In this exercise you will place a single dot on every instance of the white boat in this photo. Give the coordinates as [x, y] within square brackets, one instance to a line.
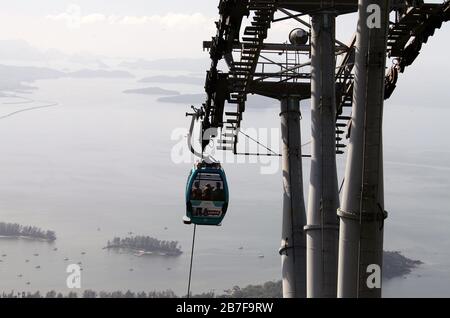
[139, 253]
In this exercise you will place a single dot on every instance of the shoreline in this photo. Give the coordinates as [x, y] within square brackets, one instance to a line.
[402, 265]
[28, 238]
[141, 252]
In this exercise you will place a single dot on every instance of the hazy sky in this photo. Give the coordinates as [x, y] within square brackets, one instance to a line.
[118, 28]
[111, 27]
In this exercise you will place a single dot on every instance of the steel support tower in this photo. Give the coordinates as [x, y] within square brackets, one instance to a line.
[293, 251]
[322, 229]
[362, 212]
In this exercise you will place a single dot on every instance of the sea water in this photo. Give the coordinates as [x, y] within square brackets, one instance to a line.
[100, 165]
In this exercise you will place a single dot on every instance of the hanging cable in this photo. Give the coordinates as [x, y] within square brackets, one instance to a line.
[271, 152]
[192, 258]
[260, 144]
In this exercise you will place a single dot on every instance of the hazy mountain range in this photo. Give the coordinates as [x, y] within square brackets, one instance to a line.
[151, 91]
[181, 79]
[189, 65]
[16, 78]
[22, 51]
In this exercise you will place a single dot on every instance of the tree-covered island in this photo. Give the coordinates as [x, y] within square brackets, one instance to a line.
[14, 230]
[146, 245]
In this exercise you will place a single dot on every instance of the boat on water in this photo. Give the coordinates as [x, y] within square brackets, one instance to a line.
[36, 254]
[261, 256]
[66, 258]
[37, 267]
[139, 253]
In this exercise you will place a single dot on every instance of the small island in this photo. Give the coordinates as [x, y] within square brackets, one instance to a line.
[145, 245]
[397, 265]
[14, 230]
[152, 91]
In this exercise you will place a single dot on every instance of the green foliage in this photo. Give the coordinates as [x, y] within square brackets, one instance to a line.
[14, 229]
[267, 290]
[146, 244]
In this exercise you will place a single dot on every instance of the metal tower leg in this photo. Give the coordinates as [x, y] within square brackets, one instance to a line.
[323, 226]
[293, 244]
[362, 212]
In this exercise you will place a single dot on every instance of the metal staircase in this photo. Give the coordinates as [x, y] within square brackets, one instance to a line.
[241, 72]
[410, 31]
[344, 96]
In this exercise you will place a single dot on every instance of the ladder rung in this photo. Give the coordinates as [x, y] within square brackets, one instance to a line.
[227, 135]
[224, 148]
[248, 39]
[242, 63]
[225, 142]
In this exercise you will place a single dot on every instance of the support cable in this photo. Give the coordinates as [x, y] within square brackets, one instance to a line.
[271, 154]
[192, 258]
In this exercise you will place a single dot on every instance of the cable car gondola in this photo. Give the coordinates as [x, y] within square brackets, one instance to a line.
[206, 195]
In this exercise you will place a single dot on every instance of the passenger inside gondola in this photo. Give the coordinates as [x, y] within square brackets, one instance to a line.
[218, 193]
[196, 193]
[207, 193]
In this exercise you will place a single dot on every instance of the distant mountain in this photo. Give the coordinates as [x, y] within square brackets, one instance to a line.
[19, 50]
[99, 74]
[184, 99]
[173, 79]
[190, 65]
[28, 73]
[151, 91]
[14, 78]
